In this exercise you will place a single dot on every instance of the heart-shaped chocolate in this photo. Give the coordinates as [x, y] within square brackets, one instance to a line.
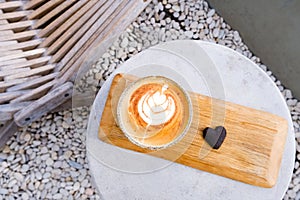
[214, 137]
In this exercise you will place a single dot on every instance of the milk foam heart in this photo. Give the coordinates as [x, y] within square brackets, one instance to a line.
[155, 108]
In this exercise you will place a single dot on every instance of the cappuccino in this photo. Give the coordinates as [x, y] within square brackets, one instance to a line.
[154, 112]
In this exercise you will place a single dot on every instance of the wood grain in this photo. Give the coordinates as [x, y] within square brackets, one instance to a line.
[105, 35]
[33, 63]
[35, 93]
[33, 3]
[44, 9]
[12, 62]
[49, 29]
[52, 13]
[6, 131]
[26, 54]
[251, 152]
[13, 107]
[84, 29]
[37, 36]
[10, 83]
[27, 45]
[39, 70]
[10, 5]
[34, 83]
[14, 16]
[21, 36]
[16, 26]
[7, 96]
[66, 29]
[42, 106]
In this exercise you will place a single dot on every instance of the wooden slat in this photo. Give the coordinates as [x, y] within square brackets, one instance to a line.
[21, 36]
[5, 33]
[13, 71]
[34, 63]
[5, 117]
[44, 9]
[6, 84]
[91, 17]
[3, 21]
[35, 71]
[17, 26]
[11, 4]
[4, 44]
[6, 131]
[64, 28]
[35, 93]
[91, 31]
[11, 62]
[13, 107]
[33, 3]
[61, 19]
[14, 16]
[108, 32]
[69, 59]
[52, 13]
[27, 45]
[33, 83]
[8, 52]
[26, 54]
[43, 105]
[7, 96]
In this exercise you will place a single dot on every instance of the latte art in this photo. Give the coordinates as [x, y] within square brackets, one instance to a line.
[155, 108]
[154, 112]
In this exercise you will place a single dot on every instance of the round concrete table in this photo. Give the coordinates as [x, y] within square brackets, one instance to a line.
[205, 68]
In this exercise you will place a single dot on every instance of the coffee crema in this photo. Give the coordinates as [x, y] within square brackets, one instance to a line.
[154, 112]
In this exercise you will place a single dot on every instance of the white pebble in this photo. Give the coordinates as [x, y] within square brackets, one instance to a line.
[216, 32]
[209, 20]
[124, 42]
[19, 177]
[76, 186]
[211, 13]
[25, 196]
[3, 191]
[57, 196]
[189, 34]
[25, 168]
[49, 162]
[176, 8]
[288, 94]
[44, 150]
[194, 25]
[292, 194]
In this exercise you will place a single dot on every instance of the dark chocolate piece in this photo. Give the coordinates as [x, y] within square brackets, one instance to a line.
[214, 137]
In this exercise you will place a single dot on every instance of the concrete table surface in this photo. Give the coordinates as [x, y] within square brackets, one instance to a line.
[201, 67]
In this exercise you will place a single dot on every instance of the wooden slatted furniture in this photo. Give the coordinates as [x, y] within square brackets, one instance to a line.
[42, 46]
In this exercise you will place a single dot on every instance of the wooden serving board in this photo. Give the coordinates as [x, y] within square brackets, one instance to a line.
[252, 150]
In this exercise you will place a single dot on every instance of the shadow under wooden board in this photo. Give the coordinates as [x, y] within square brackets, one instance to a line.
[43, 45]
[251, 153]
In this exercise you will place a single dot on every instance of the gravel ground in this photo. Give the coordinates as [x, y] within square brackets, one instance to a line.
[46, 160]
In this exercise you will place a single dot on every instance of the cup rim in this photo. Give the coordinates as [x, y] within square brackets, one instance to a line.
[178, 138]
